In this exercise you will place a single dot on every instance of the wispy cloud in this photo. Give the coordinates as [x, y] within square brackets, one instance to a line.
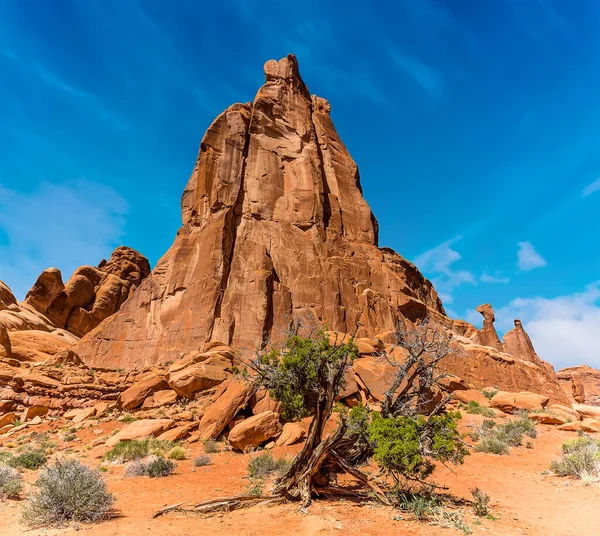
[62, 225]
[591, 188]
[437, 262]
[528, 258]
[564, 330]
[430, 79]
[487, 278]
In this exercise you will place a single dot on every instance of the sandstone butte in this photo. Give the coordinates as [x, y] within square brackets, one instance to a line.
[275, 230]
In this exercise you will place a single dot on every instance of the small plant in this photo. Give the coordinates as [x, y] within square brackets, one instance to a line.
[128, 418]
[202, 460]
[475, 408]
[423, 507]
[498, 438]
[265, 464]
[493, 445]
[211, 446]
[29, 460]
[176, 453]
[580, 458]
[11, 482]
[125, 451]
[68, 491]
[481, 501]
[489, 392]
[136, 468]
[255, 487]
[159, 467]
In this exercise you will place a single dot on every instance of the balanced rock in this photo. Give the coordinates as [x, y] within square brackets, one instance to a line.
[488, 335]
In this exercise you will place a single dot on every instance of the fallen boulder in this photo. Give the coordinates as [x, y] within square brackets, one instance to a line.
[141, 429]
[255, 430]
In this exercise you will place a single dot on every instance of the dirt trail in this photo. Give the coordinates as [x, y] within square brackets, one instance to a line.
[524, 500]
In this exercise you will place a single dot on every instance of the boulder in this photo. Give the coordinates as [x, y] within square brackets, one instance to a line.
[160, 398]
[6, 419]
[263, 402]
[582, 383]
[511, 402]
[48, 286]
[7, 298]
[141, 429]
[33, 412]
[196, 378]
[546, 418]
[84, 414]
[234, 398]
[254, 430]
[135, 395]
[590, 425]
[376, 373]
[291, 433]
[471, 395]
[587, 410]
[564, 411]
[178, 432]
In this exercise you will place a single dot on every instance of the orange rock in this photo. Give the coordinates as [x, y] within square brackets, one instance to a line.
[510, 402]
[179, 432]
[32, 412]
[196, 378]
[235, 397]
[488, 335]
[291, 433]
[135, 395]
[518, 344]
[141, 429]
[587, 410]
[255, 430]
[6, 419]
[376, 373]
[590, 425]
[471, 395]
[265, 403]
[546, 418]
[160, 398]
[83, 414]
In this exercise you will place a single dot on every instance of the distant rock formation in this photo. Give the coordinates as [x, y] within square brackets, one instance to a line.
[53, 315]
[488, 335]
[518, 343]
[582, 383]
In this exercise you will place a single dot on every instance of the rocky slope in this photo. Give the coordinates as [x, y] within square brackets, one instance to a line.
[54, 316]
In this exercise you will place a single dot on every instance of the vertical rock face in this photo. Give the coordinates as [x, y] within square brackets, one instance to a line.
[488, 335]
[581, 383]
[518, 343]
[275, 229]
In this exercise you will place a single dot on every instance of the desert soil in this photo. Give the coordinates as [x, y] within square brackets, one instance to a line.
[526, 500]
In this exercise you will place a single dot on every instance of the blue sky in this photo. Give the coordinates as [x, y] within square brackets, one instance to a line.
[475, 125]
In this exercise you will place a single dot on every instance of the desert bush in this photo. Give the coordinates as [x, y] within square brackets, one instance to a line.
[211, 446]
[128, 418]
[399, 443]
[11, 482]
[136, 468]
[489, 392]
[481, 501]
[68, 491]
[496, 439]
[265, 464]
[423, 507]
[159, 467]
[580, 458]
[31, 460]
[475, 408]
[492, 444]
[176, 453]
[125, 451]
[202, 460]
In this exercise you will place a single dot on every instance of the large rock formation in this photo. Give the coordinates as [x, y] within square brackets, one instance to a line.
[518, 343]
[53, 315]
[275, 229]
[581, 383]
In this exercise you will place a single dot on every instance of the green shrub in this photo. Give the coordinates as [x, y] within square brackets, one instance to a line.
[211, 446]
[202, 460]
[136, 468]
[176, 453]
[125, 451]
[265, 464]
[492, 444]
[489, 392]
[11, 482]
[580, 458]
[159, 467]
[29, 460]
[128, 418]
[481, 501]
[496, 439]
[475, 408]
[68, 491]
[399, 443]
[423, 507]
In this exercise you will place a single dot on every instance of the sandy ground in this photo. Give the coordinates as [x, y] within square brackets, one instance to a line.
[525, 500]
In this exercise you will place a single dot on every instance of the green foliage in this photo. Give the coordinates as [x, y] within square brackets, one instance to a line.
[407, 447]
[475, 408]
[11, 482]
[265, 464]
[291, 376]
[481, 502]
[176, 453]
[496, 439]
[358, 424]
[31, 460]
[423, 507]
[580, 458]
[135, 449]
[68, 491]
[159, 467]
[211, 446]
[128, 418]
[489, 392]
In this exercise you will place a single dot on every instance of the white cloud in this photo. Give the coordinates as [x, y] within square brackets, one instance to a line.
[591, 188]
[565, 330]
[528, 258]
[61, 225]
[487, 278]
[438, 261]
[427, 77]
